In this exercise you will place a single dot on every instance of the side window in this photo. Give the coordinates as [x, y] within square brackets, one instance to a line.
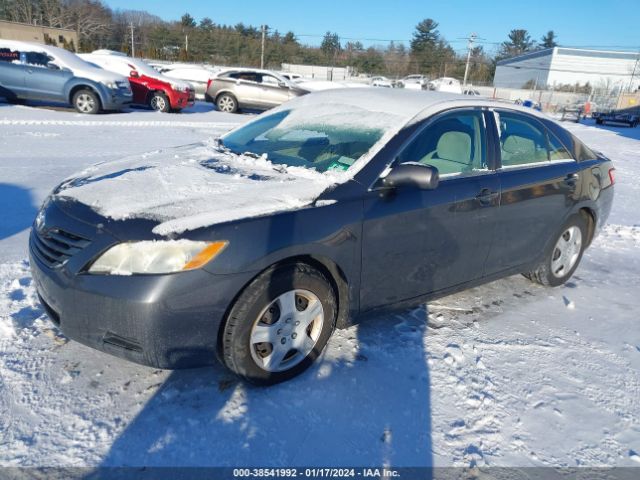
[521, 141]
[455, 144]
[34, 59]
[246, 76]
[269, 80]
[556, 149]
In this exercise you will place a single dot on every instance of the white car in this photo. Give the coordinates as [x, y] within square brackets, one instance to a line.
[445, 84]
[415, 82]
[294, 77]
[381, 82]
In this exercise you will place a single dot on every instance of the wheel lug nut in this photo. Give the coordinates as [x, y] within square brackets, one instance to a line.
[294, 335]
[279, 332]
[283, 340]
[297, 323]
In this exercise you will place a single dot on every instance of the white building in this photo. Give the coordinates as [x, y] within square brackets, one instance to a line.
[319, 72]
[614, 71]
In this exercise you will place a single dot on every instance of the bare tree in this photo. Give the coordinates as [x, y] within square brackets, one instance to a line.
[89, 18]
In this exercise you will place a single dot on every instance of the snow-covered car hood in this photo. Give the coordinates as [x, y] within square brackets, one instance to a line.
[194, 186]
[99, 75]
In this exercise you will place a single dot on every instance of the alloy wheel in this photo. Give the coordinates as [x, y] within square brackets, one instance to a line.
[85, 103]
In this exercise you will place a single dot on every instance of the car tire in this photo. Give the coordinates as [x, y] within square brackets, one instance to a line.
[279, 324]
[227, 103]
[159, 102]
[86, 101]
[565, 254]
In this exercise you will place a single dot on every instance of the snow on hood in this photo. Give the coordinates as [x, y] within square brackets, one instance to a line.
[194, 186]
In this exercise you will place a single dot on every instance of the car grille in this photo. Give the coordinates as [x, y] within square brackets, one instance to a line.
[55, 246]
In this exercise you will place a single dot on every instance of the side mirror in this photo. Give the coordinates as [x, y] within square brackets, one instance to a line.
[283, 84]
[134, 74]
[52, 66]
[424, 177]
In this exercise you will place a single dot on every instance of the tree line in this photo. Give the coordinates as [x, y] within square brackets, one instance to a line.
[98, 26]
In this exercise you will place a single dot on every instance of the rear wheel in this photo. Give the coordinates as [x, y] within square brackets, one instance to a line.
[159, 102]
[563, 259]
[227, 103]
[279, 324]
[86, 101]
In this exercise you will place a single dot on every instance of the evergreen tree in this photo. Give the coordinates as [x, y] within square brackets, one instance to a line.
[549, 40]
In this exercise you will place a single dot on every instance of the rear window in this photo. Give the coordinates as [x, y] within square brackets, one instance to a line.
[578, 150]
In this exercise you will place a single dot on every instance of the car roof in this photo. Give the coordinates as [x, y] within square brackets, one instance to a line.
[411, 105]
[40, 46]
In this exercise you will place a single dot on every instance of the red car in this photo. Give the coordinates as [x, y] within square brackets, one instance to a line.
[149, 87]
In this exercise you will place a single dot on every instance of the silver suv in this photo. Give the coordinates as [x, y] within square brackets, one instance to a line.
[30, 71]
[235, 89]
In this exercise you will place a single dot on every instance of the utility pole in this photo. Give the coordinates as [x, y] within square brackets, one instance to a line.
[133, 44]
[471, 39]
[264, 34]
[633, 74]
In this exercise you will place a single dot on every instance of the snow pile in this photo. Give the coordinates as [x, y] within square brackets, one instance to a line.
[192, 187]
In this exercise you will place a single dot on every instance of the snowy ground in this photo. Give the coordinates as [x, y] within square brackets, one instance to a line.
[508, 374]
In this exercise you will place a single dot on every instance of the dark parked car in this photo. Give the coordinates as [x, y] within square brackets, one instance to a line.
[307, 219]
[629, 119]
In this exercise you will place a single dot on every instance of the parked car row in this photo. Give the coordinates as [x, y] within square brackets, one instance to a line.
[99, 81]
[30, 71]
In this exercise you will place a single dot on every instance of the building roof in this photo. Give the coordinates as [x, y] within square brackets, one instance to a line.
[577, 52]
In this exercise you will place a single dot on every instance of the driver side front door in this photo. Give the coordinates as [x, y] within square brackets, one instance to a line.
[417, 242]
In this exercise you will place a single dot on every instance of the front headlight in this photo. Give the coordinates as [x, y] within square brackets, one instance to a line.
[111, 85]
[179, 88]
[156, 257]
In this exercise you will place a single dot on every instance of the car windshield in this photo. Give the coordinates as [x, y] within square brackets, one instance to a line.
[142, 67]
[325, 138]
[64, 58]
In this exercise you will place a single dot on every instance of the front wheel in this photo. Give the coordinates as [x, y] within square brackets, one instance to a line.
[86, 101]
[159, 102]
[279, 324]
[563, 259]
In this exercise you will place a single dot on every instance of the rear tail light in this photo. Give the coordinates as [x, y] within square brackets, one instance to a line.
[612, 175]
[209, 83]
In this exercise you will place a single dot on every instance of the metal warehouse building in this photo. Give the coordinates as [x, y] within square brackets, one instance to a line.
[567, 66]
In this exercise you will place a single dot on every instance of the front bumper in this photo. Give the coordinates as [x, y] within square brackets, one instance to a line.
[116, 99]
[164, 321]
[180, 100]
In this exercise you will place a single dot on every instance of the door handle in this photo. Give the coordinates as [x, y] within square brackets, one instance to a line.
[571, 179]
[486, 196]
